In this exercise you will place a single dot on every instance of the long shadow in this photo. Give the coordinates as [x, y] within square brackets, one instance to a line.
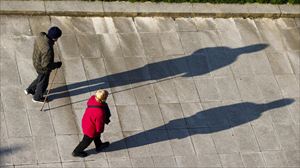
[204, 122]
[200, 62]
[9, 150]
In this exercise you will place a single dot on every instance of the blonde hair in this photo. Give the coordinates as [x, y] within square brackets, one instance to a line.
[101, 95]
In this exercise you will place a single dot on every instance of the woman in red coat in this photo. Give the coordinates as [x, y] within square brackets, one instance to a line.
[95, 116]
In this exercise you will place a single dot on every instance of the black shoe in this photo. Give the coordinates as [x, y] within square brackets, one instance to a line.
[41, 100]
[27, 92]
[102, 146]
[81, 154]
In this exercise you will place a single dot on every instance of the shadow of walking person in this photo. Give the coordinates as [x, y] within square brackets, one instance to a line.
[204, 122]
[200, 62]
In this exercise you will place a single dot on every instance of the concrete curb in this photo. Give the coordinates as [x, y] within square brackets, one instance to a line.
[100, 8]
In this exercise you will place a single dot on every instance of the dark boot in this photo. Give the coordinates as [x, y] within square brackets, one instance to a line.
[102, 146]
[80, 154]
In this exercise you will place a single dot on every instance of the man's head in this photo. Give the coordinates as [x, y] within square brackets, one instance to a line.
[54, 33]
[101, 95]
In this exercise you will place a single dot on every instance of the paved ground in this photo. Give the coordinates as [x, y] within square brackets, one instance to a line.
[189, 92]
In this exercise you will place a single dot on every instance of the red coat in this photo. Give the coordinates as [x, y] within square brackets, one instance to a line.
[93, 119]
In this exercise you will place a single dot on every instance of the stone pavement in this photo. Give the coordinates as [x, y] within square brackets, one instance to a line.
[184, 92]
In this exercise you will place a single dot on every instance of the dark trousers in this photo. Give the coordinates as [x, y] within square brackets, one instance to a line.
[85, 142]
[39, 85]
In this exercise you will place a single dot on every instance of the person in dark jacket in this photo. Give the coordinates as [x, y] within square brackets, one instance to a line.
[95, 117]
[43, 62]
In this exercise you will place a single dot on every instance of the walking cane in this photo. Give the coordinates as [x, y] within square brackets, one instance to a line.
[49, 89]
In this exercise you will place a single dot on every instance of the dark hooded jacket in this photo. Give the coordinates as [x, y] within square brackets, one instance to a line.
[43, 54]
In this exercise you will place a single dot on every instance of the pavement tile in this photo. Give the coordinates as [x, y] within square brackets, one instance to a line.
[165, 24]
[227, 88]
[180, 67]
[16, 26]
[146, 24]
[50, 165]
[193, 116]
[123, 94]
[110, 45]
[7, 150]
[281, 115]
[151, 116]
[185, 24]
[268, 86]
[265, 132]
[63, 121]
[159, 68]
[91, 50]
[130, 122]
[269, 34]
[245, 138]
[275, 158]
[39, 24]
[103, 25]
[73, 164]
[191, 42]
[248, 88]
[280, 63]
[287, 137]
[181, 142]
[46, 149]
[27, 166]
[294, 57]
[95, 70]
[24, 152]
[120, 162]
[136, 145]
[241, 66]
[231, 160]
[207, 89]
[171, 44]
[187, 161]
[253, 160]
[138, 69]
[9, 76]
[16, 115]
[295, 111]
[40, 123]
[66, 145]
[3, 127]
[72, 65]
[158, 143]
[83, 25]
[172, 115]
[142, 162]
[260, 63]
[202, 141]
[116, 73]
[289, 85]
[205, 23]
[186, 90]
[69, 47]
[152, 44]
[131, 45]
[247, 30]
[216, 115]
[164, 161]
[293, 158]
[291, 38]
[117, 148]
[209, 160]
[124, 25]
[144, 93]
[225, 142]
[99, 163]
[165, 92]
